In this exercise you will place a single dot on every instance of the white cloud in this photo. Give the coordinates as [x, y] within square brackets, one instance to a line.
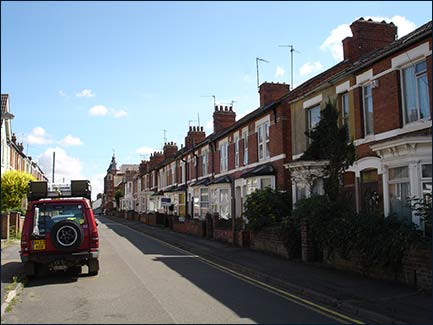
[85, 93]
[98, 110]
[70, 140]
[333, 42]
[119, 114]
[38, 136]
[101, 110]
[310, 68]
[97, 182]
[66, 168]
[404, 26]
[279, 72]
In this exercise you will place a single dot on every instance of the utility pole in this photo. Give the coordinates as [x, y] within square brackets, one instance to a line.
[54, 163]
[257, 66]
[291, 62]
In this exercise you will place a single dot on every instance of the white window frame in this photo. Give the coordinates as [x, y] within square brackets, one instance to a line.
[310, 125]
[204, 158]
[245, 137]
[263, 141]
[399, 181]
[417, 92]
[236, 141]
[367, 99]
[223, 147]
[345, 110]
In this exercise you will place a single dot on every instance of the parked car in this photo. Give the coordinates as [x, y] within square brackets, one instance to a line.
[60, 231]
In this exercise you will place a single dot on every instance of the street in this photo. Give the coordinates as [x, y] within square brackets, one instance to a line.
[143, 280]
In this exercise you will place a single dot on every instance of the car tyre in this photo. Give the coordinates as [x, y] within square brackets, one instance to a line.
[66, 235]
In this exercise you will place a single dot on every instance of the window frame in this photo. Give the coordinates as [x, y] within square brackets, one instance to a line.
[404, 95]
[368, 98]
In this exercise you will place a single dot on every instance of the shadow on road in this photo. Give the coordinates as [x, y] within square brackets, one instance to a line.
[245, 300]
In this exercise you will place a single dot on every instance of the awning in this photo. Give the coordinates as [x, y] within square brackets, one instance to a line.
[159, 193]
[202, 182]
[220, 180]
[262, 170]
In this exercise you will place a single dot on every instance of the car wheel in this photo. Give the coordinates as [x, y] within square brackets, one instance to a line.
[66, 235]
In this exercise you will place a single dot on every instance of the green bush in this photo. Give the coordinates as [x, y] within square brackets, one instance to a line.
[336, 228]
[266, 207]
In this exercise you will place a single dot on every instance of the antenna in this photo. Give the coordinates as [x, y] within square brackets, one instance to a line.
[291, 62]
[257, 66]
[165, 135]
[214, 100]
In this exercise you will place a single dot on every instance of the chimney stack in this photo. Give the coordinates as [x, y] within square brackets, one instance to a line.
[194, 137]
[368, 35]
[270, 92]
[170, 150]
[223, 117]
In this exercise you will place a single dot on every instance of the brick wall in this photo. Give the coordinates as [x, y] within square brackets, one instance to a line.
[415, 270]
[268, 240]
[223, 235]
[190, 226]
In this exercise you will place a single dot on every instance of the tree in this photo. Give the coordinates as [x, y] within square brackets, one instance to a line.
[117, 195]
[266, 207]
[14, 187]
[330, 142]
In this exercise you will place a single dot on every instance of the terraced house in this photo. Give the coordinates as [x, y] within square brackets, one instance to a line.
[382, 89]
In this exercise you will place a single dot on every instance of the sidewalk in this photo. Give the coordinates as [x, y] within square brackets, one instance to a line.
[374, 301]
[11, 266]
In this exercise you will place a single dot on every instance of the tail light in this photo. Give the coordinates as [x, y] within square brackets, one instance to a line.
[25, 244]
[94, 240]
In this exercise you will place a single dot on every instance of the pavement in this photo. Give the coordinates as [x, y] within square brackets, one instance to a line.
[373, 301]
[11, 267]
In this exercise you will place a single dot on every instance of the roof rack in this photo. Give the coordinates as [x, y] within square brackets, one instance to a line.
[41, 190]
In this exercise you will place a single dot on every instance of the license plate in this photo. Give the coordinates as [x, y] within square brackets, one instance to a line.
[39, 244]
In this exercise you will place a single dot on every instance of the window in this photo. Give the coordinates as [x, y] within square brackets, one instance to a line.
[263, 140]
[399, 192]
[204, 159]
[345, 111]
[223, 157]
[258, 183]
[221, 202]
[426, 181]
[313, 119]
[245, 137]
[236, 152]
[183, 170]
[196, 202]
[368, 109]
[204, 201]
[415, 93]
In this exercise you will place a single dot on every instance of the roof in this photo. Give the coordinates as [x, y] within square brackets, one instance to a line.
[221, 180]
[420, 32]
[262, 170]
[202, 182]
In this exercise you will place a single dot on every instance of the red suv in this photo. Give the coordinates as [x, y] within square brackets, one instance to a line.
[60, 231]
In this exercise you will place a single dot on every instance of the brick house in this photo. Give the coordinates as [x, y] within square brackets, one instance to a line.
[215, 173]
[382, 90]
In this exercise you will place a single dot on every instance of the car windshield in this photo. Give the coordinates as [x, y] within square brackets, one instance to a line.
[50, 214]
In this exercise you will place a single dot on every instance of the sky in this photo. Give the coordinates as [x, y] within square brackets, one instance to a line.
[89, 79]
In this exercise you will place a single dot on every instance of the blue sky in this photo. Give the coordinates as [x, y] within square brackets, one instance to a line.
[87, 78]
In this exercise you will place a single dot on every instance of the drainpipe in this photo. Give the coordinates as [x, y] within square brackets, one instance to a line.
[186, 185]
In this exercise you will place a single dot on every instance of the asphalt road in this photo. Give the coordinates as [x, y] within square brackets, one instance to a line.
[143, 280]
